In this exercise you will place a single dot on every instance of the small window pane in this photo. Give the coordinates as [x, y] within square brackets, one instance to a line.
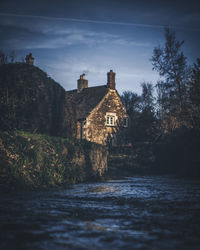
[126, 122]
[108, 120]
[111, 120]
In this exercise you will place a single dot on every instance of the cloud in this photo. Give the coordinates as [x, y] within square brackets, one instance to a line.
[44, 35]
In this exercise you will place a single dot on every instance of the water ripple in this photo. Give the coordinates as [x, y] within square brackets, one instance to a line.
[135, 213]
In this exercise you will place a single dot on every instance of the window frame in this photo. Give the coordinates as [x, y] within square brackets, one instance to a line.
[111, 119]
[125, 122]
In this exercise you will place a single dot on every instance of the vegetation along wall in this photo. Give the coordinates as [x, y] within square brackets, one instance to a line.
[36, 161]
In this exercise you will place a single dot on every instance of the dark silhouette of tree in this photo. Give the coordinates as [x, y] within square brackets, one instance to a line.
[194, 91]
[147, 98]
[7, 58]
[3, 58]
[141, 113]
[170, 62]
[12, 56]
[147, 121]
[131, 101]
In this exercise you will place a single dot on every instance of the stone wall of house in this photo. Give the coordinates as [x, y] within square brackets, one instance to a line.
[96, 127]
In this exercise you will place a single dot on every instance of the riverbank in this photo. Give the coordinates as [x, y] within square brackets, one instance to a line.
[36, 161]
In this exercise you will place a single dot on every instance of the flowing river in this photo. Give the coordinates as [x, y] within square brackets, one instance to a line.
[134, 213]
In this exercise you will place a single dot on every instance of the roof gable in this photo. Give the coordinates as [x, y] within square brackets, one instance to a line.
[86, 100]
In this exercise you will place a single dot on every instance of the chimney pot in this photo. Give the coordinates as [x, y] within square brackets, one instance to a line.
[29, 59]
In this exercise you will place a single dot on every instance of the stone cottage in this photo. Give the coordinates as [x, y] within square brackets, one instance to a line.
[99, 114]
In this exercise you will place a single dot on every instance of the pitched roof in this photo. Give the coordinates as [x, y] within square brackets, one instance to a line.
[86, 100]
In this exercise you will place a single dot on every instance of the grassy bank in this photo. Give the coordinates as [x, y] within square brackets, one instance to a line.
[41, 161]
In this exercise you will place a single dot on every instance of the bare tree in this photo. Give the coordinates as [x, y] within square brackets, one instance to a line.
[147, 98]
[3, 58]
[12, 56]
[131, 101]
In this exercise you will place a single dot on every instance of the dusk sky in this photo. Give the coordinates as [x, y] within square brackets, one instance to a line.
[69, 37]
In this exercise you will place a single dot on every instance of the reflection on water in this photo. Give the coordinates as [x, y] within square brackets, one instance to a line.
[103, 188]
[135, 213]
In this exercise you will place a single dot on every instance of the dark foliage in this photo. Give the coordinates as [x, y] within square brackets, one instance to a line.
[141, 111]
[30, 100]
[194, 92]
[170, 125]
[178, 153]
[171, 65]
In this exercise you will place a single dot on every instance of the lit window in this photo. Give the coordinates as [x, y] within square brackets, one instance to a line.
[110, 120]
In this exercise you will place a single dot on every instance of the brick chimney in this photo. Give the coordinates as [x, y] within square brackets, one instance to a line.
[29, 59]
[82, 83]
[111, 79]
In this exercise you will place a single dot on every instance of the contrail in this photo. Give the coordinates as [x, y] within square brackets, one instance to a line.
[65, 19]
[86, 21]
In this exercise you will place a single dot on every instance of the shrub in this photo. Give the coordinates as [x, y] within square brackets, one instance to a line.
[178, 153]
